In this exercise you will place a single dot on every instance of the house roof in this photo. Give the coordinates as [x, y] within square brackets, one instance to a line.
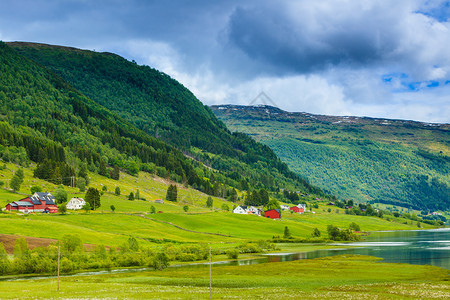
[21, 203]
[39, 197]
[77, 200]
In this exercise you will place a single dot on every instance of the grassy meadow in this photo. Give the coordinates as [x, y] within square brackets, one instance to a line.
[198, 225]
[339, 277]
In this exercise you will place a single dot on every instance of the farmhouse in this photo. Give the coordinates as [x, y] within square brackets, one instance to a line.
[298, 209]
[241, 209]
[284, 207]
[38, 202]
[159, 201]
[272, 214]
[75, 203]
[251, 210]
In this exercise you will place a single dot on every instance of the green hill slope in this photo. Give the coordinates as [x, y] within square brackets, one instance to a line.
[64, 130]
[162, 107]
[389, 161]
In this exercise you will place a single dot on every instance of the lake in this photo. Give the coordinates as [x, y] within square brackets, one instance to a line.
[421, 247]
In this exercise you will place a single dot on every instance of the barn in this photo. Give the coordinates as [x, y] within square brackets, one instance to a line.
[272, 214]
[38, 202]
[22, 206]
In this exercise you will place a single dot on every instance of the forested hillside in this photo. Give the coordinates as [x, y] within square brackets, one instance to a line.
[56, 125]
[160, 106]
[376, 160]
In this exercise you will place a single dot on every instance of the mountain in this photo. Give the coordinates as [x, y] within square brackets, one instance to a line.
[106, 111]
[58, 126]
[397, 162]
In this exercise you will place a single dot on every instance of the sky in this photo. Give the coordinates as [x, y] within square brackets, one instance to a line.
[386, 59]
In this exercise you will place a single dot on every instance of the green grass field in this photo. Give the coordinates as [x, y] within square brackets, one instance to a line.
[133, 218]
[342, 277]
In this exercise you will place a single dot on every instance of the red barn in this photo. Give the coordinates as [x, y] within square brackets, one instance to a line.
[39, 202]
[22, 206]
[272, 214]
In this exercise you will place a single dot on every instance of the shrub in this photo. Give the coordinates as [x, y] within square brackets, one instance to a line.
[66, 265]
[35, 189]
[232, 253]
[355, 227]
[316, 232]
[160, 261]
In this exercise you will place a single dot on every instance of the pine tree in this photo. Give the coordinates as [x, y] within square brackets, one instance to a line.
[209, 202]
[102, 168]
[171, 194]
[93, 198]
[17, 180]
[115, 174]
[287, 233]
[117, 191]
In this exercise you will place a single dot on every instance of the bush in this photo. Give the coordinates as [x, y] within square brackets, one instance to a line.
[316, 232]
[232, 253]
[66, 265]
[355, 227]
[160, 261]
[209, 202]
[35, 189]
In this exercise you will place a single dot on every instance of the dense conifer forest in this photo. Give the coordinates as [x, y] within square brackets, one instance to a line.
[395, 162]
[70, 110]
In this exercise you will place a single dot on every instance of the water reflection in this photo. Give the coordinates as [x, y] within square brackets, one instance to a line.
[426, 247]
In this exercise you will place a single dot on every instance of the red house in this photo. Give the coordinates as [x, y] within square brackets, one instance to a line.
[38, 202]
[297, 209]
[272, 214]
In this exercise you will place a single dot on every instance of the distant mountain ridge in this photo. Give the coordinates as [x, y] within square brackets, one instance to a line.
[368, 159]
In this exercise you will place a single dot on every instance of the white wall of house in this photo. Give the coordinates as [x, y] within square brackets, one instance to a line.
[75, 203]
[240, 210]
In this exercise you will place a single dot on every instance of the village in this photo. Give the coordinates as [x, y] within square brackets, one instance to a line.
[271, 213]
[44, 202]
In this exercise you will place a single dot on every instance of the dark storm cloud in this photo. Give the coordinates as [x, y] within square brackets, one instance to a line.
[269, 35]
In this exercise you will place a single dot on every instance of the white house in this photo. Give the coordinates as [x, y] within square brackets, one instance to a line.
[301, 205]
[253, 210]
[75, 203]
[241, 209]
[284, 207]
